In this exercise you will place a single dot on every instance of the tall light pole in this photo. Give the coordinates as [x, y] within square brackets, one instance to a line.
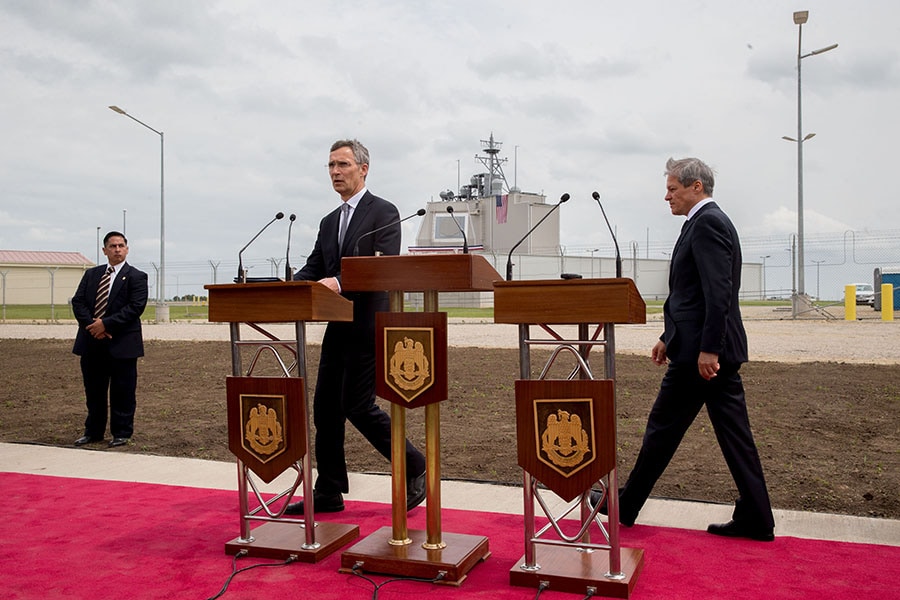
[592, 250]
[162, 309]
[800, 17]
[818, 262]
[764, 273]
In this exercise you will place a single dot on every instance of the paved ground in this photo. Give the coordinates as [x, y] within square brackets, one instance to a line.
[772, 334]
[120, 466]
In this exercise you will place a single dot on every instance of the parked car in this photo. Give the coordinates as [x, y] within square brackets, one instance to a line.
[865, 293]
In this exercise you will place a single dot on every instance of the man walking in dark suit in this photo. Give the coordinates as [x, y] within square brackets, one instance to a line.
[704, 345]
[108, 306]
[345, 387]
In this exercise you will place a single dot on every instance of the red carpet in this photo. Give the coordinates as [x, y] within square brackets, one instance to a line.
[79, 538]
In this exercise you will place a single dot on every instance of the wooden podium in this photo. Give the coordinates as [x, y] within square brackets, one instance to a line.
[278, 409]
[566, 431]
[397, 550]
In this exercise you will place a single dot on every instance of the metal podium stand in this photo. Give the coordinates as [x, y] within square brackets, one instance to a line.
[268, 425]
[566, 430]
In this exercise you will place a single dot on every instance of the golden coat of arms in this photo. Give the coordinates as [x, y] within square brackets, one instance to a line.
[409, 366]
[263, 431]
[564, 441]
[408, 360]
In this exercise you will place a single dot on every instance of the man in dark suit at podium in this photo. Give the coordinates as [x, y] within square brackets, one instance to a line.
[108, 305]
[704, 345]
[345, 388]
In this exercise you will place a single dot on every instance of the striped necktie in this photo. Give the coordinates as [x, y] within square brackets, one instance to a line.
[103, 294]
[345, 220]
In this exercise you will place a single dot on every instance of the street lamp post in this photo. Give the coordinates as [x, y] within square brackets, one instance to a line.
[764, 274]
[162, 309]
[592, 250]
[800, 17]
[818, 262]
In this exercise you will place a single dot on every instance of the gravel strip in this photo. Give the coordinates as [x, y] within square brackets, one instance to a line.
[773, 336]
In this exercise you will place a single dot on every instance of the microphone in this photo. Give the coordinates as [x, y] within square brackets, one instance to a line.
[612, 234]
[242, 277]
[418, 213]
[509, 265]
[287, 256]
[465, 243]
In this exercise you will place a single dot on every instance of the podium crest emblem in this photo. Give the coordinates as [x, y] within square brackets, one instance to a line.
[564, 434]
[409, 359]
[564, 441]
[409, 366]
[263, 426]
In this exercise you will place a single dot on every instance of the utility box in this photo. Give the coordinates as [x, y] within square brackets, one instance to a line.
[891, 276]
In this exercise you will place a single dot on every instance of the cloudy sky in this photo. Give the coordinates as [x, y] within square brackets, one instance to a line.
[585, 95]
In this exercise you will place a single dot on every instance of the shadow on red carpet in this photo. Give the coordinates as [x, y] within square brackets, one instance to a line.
[81, 538]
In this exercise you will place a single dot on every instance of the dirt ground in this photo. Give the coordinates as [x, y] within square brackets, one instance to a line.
[828, 433]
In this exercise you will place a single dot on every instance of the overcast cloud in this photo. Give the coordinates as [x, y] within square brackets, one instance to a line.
[585, 95]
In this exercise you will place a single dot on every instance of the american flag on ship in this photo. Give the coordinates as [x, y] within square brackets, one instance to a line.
[502, 204]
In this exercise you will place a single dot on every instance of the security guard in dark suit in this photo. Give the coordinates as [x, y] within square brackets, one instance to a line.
[108, 306]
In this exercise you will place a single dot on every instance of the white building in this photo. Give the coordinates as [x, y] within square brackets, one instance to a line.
[38, 277]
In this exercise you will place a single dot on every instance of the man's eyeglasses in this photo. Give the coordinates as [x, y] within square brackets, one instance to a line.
[340, 165]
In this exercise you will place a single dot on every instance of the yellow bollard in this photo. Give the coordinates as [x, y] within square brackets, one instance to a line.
[849, 302]
[887, 302]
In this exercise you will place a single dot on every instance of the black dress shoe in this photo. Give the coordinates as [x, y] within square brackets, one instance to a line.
[415, 491]
[595, 498]
[86, 439]
[742, 530]
[115, 442]
[322, 503]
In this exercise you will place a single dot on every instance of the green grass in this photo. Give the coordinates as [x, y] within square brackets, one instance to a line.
[63, 312]
[199, 312]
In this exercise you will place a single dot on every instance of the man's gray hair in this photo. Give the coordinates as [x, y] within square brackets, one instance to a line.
[689, 170]
[360, 152]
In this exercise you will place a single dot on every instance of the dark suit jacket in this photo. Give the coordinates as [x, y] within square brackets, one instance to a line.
[371, 213]
[702, 313]
[127, 300]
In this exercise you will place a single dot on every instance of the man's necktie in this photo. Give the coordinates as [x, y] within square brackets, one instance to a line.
[345, 219]
[103, 294]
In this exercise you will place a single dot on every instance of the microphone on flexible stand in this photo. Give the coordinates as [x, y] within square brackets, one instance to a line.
[612, 234]
[287, 256]
[418, 213]
[509, 265]
[242, 276]
[465, 243]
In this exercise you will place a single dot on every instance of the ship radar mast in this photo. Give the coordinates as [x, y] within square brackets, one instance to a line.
[495, 181]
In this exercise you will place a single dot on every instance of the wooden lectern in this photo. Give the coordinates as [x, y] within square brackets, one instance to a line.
[397, 550]
[253, 304]
[566, 430]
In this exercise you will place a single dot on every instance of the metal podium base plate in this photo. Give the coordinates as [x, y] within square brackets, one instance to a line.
[461, 554]
[574, 571]
[281, 540]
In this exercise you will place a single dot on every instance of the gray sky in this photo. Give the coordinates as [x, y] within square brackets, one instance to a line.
[595, 95]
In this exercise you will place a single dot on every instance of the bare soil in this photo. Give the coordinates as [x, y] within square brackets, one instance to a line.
[828, 433]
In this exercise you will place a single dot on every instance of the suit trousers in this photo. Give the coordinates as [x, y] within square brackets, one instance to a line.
[115, 378]
[345, 391]
[681, 396]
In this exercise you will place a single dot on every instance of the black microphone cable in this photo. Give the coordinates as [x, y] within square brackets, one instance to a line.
[235, 570]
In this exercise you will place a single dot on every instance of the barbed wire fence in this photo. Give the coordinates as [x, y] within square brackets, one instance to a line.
[834, 260]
